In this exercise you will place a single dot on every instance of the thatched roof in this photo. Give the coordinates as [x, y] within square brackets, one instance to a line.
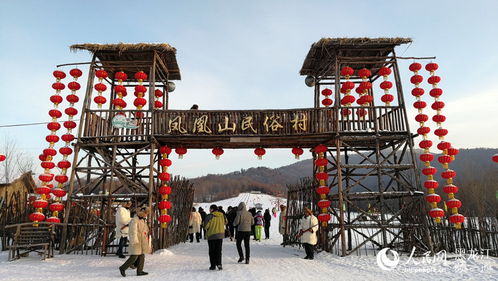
[121, 57]
[327, 49]
[24, 183]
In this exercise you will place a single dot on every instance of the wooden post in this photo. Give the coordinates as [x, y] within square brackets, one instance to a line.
[340, 195]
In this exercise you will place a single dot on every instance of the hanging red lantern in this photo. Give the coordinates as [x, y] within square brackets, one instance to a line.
[158, 104]
[416, 79]
[457, 219]
[429, 171]
[49, 151]
[448, 174]
[384, 71]
[297, 151]
[165, 162]
[324, 217]
[52, 138]
[450, 188]
[436, 213]
[323, 204]
[320, 148]
[427, 157]
[53, 220]
[164, 176]
[74, 86]
[56, 99]
[326, 92]
[443, 145]
[423, 130]
[347, 71]
[322, 176]
[434, 80]
[323, 190]
[433, 198]
[364, 73]
[59, 74]
[347, 100]
[415, 67]
[101, 74]
[120, 75]
[56, 207]
[181, 151]
[47, 165]
[65, 150]
[454, 203]
[165, 150]
[425, 144]
[72, 98]
[438, 118]
[120, 89]
[61, 179]
[217, 151]
[321, 162]
[164, 219]
[55, 113]
[46, 177]
[53, 126]
[75, 73]
[327, 102]
[36, 217]
[420, 104]
[431, 184]
[58, 192]
[67, 137]
[158, 93]
[417, 92]
[141, 76]
[100, 100]
[165, 205]
[260, 152]
[40, 204]
[42, 190]
[64, 164]
[431, 66]
[495, 158]
[165, 190]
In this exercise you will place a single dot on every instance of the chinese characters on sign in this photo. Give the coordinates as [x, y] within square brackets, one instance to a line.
[257, 123]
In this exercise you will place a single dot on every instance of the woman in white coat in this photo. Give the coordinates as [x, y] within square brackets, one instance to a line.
[194, 226]
[122, 220]
[139, 242]
[309, 227]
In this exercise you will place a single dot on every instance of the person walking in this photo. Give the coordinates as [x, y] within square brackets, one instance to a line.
[267, 217]
[194, 226]
[309, 227]
[243, 221]
[203, 217]
[139, 242]
[232, 213]
[259, 222]
[215, 230]
[253, 214]
[123, 218]
[282, 225]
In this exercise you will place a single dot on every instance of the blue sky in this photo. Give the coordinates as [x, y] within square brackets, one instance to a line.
[246, 55]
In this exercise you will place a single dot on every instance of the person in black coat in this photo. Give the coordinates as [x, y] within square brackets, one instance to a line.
[253, 227]
[267, 217]
[203, 217]
[232, 213]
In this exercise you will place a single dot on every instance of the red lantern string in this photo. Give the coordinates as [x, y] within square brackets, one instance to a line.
[427, 157]
[327, 101]
[120, 90]
[386, 85]
[140, 91]
[100, 87]
[448, 153]
[346, 88]
[165, 189]
[363, 90]
[158, 94]
[181, 151]
[322, 189]
[48, 154]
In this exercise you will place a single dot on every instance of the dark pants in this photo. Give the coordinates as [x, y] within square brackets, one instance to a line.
[138, 260]
[267, 231]
[197, 237]
[246, 237]
[215, 247]
[286, 239]
[122, 243]
[308, 248]
[231, 228]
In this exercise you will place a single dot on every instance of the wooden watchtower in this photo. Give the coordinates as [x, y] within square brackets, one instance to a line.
[375, 184]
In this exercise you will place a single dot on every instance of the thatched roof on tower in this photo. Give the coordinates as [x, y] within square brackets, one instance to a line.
[131, 58]
[323, 52]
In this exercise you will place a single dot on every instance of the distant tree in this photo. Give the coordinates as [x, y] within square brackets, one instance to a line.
[17, 162]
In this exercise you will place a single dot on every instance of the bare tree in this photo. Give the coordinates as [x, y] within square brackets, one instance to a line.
[16, 163]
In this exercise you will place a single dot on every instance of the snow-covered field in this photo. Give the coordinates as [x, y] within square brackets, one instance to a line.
[269, 261]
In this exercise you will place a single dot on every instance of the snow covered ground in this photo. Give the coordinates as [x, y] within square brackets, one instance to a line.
[269, 261]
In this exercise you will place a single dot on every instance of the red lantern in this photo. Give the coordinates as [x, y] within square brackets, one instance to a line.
[47, 165]
[49, 151]
[64, 164]
[457, 218]
[431, 66]
[327, 102]
[364, 73]
[74, 86]
[165, 205]
[260, 152]
[386, 85]
[438, 118]
[321, 162]
[46, 177]
[40, 204]
[57, 192]
[428, 171]
[217, 151]
[454, 203]
[61, 179]
[67, 137]
[444, 159]
[141, 76]
[71, 111]
[120, 75]
[347, 86]
[437, 105]
[165, 190]
[56, 207]
[347, 71]
[322, 176]
[320, 148]
[36, 217]
[140, 89]
[417, 92]
[140, 102]
[164, 176]
[165, 162]
[362, 112]
[436, 213]
[416, 79]
[448, 174]
[101, 74]
[158, 93]
[43, 190]
[415, 67]
[164, 218]
[436, 92]
[423, 130]
[55, 113]
[425, 144]
[443, 145]
[434, 80]
[72, 98]
[419, 104]
[450, 188]
[53, 220]
[52, 138]
[56, 99]
[165, 150]
[323, 204]
[181, 151]
[65, 150]
[120, 103]
[347, 100]
[100, 87]
[59, 74]
[323, 190]
[384, 71]
[120, 89]
[440, 132]
[431, 184]
[158, 104]
[326, 92]
[69, 125]
[100, 100]
[494, 158]
[427, 157]
[387, 98]
[76, 73]
[433, 198]
[324, 217]
[297, 151]
[53, 126]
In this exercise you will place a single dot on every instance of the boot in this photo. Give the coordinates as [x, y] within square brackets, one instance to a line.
[241, 259]
[142, 273]
[122, 271]
[247, 260]
[220, 267]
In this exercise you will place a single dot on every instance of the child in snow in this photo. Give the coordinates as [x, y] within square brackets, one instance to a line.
[259, 222]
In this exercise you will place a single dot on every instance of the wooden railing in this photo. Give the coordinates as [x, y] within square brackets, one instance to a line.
[240, 123]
